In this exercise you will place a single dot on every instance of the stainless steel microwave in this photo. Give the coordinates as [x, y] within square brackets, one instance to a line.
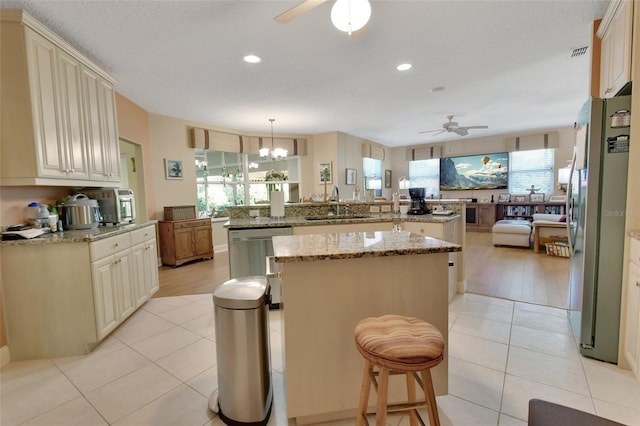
[116, 205]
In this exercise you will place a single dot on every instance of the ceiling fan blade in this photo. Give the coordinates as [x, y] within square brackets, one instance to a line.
[431, 131]
[473, 127]
[297, 10]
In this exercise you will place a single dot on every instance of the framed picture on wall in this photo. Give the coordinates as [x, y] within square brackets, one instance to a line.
[324, 172]
[173, 169]
[387, 178]
[350, 176]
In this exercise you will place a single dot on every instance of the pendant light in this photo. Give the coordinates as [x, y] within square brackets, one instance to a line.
[276, 153]
[350, 15]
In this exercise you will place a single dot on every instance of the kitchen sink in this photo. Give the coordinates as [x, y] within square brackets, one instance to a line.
[334, 217]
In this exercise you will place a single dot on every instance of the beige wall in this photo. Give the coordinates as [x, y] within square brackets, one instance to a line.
[133, 126]
[488, 144]
[171, 140]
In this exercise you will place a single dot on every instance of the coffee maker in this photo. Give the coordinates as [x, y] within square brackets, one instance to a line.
[418, 204]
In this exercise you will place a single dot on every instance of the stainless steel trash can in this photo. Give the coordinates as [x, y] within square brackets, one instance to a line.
[244, 394]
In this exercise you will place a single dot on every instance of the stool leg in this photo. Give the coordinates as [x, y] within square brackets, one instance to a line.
[430, 397]
[411, 393]
[383, 385]
[361, 420]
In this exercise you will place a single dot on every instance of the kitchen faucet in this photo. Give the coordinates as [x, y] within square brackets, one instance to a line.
[335, 195]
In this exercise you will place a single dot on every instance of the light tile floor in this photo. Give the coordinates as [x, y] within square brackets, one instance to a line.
[160, 367]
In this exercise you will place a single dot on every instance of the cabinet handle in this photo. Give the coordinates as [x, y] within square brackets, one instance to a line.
[609, 90]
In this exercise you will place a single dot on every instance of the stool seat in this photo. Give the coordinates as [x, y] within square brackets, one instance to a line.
[396, 344]
[399, 342]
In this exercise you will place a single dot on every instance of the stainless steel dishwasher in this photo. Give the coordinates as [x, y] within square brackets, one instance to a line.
[248, 252]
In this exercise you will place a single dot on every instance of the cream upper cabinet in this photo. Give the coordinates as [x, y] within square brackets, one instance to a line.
[101, 127]
[615, 54]
[57, 125]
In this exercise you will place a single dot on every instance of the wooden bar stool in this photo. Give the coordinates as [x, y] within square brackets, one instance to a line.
[397, 344]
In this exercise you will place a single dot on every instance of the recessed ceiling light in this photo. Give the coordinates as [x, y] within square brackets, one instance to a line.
[437, 89]
[252, 59]
[403, 67]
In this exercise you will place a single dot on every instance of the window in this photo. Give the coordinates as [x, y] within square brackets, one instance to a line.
[425, 174]
[529, 169]
[372, 172]
[230, 179]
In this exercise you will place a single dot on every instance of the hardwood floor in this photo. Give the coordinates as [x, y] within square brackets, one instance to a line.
[506, 272]
[515, 273]
[194, 278]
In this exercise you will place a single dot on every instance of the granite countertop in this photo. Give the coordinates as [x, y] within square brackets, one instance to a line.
[80, 235]
[267, 222]
[635, 234]
[353, 245]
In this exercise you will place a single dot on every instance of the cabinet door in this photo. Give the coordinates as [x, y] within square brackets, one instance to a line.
[124, 284]
[434, 230]
[71, 116]
[184, 243]
[105, 297]
[41, 55]
[615, 50]
[151, 271]
[111, 146]
[632, 334]
[101, 125]
[202, 240]
[138, 274]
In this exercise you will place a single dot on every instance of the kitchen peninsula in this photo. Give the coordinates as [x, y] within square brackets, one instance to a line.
[330, 282]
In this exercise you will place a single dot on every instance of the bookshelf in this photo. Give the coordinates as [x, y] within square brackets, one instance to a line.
[525, 211]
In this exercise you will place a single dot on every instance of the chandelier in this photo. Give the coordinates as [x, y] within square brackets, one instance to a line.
[274, 153]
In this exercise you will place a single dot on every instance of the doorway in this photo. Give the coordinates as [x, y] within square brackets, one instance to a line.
[132, 173]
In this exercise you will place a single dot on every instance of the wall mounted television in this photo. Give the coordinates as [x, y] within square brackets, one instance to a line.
[487, 171]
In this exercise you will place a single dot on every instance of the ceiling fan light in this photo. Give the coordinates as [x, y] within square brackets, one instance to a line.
[350, 15]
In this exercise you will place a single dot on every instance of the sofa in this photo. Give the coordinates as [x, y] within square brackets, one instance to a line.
[548, 228]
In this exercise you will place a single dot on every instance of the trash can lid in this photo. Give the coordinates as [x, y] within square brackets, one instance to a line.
[241, 293]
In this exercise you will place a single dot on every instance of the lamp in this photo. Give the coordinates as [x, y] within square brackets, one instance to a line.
[350, 15]
[564, 173]
[276, 153]
[403, 183]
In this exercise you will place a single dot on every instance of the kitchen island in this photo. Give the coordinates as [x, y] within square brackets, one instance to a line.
[330, 282]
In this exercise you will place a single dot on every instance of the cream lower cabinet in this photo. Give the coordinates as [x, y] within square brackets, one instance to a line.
[144, 264]
[631, 347]
[451, 232]
[113, 291]
[62, 299]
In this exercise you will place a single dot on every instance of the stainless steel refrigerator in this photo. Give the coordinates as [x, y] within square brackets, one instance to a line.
[596, 209]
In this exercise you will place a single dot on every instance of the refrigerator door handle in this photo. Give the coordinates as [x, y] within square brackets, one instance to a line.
[568, 211]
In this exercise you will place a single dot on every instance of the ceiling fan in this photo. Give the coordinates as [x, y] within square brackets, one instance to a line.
[452, 127]
[346, 15]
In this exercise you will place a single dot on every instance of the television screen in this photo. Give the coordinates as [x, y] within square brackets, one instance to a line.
[489, 171]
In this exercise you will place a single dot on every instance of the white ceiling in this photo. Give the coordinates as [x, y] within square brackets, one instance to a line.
[504, 64]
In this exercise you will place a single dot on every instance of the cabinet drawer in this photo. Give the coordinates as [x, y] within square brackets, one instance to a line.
[191, 223]
[634, 251]
[141, 235]
[108, 246]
